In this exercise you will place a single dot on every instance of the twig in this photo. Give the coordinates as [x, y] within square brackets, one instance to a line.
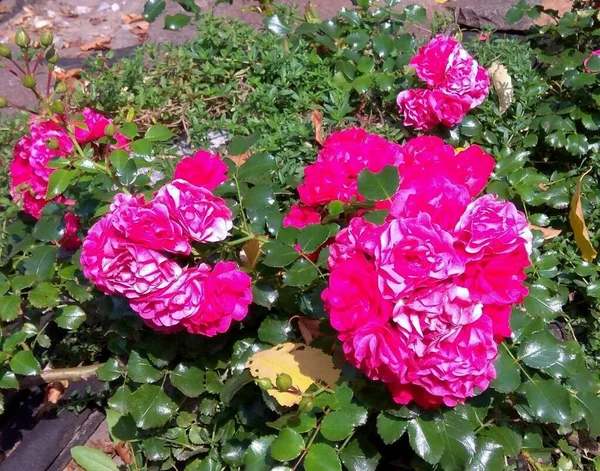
[59, 374]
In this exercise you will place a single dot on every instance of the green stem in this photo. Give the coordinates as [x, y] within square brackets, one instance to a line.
[518, 363]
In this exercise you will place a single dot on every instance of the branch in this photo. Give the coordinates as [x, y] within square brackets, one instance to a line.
[59, 374]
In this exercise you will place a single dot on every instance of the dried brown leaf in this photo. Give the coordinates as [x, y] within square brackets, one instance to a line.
[53, 394]
[240, 159]
[580, 231]
[129, 18]
[123, 452]
[100, 44]
[309, 328]
[502, 83]
[317, 119]
[250, 253]
[549, 233]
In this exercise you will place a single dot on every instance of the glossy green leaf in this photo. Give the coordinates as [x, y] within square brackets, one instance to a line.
[257, 457]
[360, 455]
[540, 350]
[416, 13]
[312, 237]
[140, 369]
[8, 380]
[150, 407]
[488, 456]
[24, 363]
[258, 166]
[287, 446]
[10, 307]
[110, 371]
[379, 186]
[548, 401]
[41, 261]
[322, 457]
[58, 182]
[274, 331]
[189, 379]
[176, 22]
[276, 25]
[279, 255]
[141, 147]
[301, 273]
[70, 317]
[390, 428]
[424, 437]
[158, 132]
[508, 375]
[153, 9]
[44, 295]
[91, 459]
[459, 441]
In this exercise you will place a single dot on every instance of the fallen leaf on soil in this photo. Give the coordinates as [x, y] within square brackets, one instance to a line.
[317, 119]
[129, 18]
[70, 77]
[100, 44]
[123, 452]
[250, 253]
[548, 232]
[4, 9]
[140, 30]
[309, 328]
[305, 365]
[239, 160]
[54, 391]
[580, 231]
[96, 21]
[502, 83]
[440, 1]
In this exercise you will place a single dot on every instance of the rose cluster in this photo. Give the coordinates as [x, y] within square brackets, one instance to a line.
[30, 172]
[456, 84]
[421, 301]
[131, 252]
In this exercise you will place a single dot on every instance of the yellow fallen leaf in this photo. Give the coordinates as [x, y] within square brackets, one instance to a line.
[548, 232]
[441, 1]
[305, 365]
[502, 83]
[580, 231]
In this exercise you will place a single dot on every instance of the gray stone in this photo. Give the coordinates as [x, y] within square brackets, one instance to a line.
[480, 14]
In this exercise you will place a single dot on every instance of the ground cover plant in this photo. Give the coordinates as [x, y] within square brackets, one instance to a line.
[317, 295]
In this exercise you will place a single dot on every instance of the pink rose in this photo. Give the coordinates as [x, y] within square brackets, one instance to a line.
[301, 216]
[449, 109]
[203, 216]
[443, 200]
[148, 224]
[325, 182]
[227, 295]
[359, 237]
[405, 393]
[92, 128]
[493, 227]
[360, 150]
[413, 253]
[499, 314]
[585, 62]
[118, 266]
[415, 105]
[202, 169]
[473, 168]
[70, 240]
[432, 59]
[461, 72]
[422, 151]
[182, 298]
[352, 297]
[480, 88]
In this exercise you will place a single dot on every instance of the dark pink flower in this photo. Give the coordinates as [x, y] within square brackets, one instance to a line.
[415, 105]
[448, 109]
[360, 237]
[301, 216]
[70, 240]
[432, 59]
[92, 128]
[202, 169]
[325, 182]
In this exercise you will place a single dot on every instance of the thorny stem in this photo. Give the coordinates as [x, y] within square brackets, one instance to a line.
[518, 363]
[309, 444]
[59, 374]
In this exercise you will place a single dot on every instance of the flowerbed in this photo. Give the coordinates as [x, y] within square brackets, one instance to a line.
[341, 292]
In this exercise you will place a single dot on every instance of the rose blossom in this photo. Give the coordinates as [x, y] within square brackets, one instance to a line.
[499, 314]
[359, 236]
[203, 216]
[227, 295]
[352, 298]
[70, 240]
[448, 109]
[431, 61]
[490, 226]
[301, 216]
[92, 128]
[413, 253]
[325, 182]
[202, 169]
[585, 62]
[415, 104]
[465, 79]
[148, 224]
[118, 266]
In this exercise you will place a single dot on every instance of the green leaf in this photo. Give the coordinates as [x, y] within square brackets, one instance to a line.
[357, 40]
[233, 385]
[24, 363]
[264, 294]
[153, 9]
[593, 63]
[10, 307]
[588, 403]
[241, 144]
[50, 227]
[540, 350]
[41, 261]
[360, 455]
[287, 446]
[514, 15]
[379, 186]
[424, 438]
[119, 158]
[511, 441]
[390, 428]
[257, 456]
[577, 144]
[150, 407]
[8, 380]
[189, 379]
[508, 376]
[540, 303]
[488, 456]
[322, 457]
[159, 132]
[278, 254]
[312, 237]
[91, 459]
[459, 441]
[70, 317]
[363, 83]
[154, 449]
[140, 370]
[118, 401]
[274, 331]
[383, 45]
[337, 426]
[110, 371]
[470, 126]
[548, 401]
[176, 22]
[44, 295]
[416, 13]
[130, 130]
[258, 166]
[141, 147]
[58, 182]
[276, 25]
[302, 273]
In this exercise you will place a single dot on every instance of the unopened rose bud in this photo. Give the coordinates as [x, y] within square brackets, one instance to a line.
[29, 81]
[283, 381]
[52, 143]
[3, 102]
[61, 87]
[110, 130]
[52, 58]
[264, 383]
[5, 51]
[46, 38]
[57, 107]
[306, 404]
[22, 38]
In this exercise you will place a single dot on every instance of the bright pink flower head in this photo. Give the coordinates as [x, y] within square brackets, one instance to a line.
[473, 168]
[360, 237]
[92, 128]
[432, 59]
[414, 253]
[585, 62]
[461, 72]
[301, 216]
[182, 298]
[148, 224]
[118, 266]
[202, 169]
[227, 295]
[360, 150]
[325, 182]
[443, 200]
[414, 104]
[448, 109]
[70, 240]
[352, 297]
[203, 216]
[493, 227]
